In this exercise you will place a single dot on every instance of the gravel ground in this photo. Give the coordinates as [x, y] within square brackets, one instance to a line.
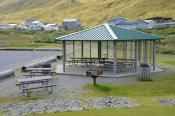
[168, 102]
[67, 85]
[62, 105]
[15, 59]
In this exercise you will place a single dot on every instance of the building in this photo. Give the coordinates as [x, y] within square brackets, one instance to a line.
[115, 21]
[72, 24]
[133, 25]
[161, 19]
[51, 27]
[28, 22]
[129, 42]
[150, 23]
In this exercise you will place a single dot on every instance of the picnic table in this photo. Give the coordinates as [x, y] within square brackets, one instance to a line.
[85, 60]
[43, 82]
[35, 71]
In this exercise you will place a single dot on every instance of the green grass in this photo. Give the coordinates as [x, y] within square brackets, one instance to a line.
[156, 88]
[15, 36]
[145, 111]
[165, 46]
[91, 12]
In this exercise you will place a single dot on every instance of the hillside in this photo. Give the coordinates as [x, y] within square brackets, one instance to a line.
[91, 12]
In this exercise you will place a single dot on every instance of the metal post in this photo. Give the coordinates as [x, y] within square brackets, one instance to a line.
[99, 49]
[154, 55]
[131, 51]
[107, 48]
[73, 48]
[139, 51]
[82, 49]
[150, 52]
[145, 54]
[115, 57]
[90, 49]
[125, 50]
[64, 56]
[136, 56]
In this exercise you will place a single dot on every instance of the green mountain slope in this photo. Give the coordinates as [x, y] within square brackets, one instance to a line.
[91, 12]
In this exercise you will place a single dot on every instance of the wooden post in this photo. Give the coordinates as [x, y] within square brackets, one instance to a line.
[115, 57]
[90, 49]
[73, 48]
[64, 56]
[136, 56]
[145, 54]
[82, 49]
[154, 55]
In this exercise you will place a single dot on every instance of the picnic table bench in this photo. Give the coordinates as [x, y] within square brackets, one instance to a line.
[42, 80]
[39, 71]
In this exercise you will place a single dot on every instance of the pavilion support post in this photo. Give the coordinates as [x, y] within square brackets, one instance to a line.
[139, 51]
[136, 56]
[131, 51]
[150, 52]
[73, 45]
[107, 49]
[90, 49]
[154, 55]
[125, 50]
[64, 55]
[145, 54]
[99, 49]
[115, 57]
[82, 49]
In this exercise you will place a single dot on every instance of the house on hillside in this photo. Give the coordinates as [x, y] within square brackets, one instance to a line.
[161, 19]
[29, 22]
[51, 27]
[133, 25]
[150, 23]
[72, 24]
[115, 21]
[36, 26]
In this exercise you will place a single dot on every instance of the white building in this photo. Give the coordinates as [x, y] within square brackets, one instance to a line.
[150, 23]
[71, 24]
[52, 27]
[35, 25]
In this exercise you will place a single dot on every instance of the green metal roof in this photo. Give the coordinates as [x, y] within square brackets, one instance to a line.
[109, 33]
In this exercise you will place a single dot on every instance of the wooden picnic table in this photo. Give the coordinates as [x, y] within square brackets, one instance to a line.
[37, 79]
[23, 83]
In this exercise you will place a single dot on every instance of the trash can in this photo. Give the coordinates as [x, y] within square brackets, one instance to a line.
[144, 72]
[46, 65]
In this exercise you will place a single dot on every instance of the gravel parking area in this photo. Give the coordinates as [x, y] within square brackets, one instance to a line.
[16, 59]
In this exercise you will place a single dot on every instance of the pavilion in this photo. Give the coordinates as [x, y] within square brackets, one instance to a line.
[128, 47]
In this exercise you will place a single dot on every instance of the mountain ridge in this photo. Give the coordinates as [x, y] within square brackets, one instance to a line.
[91, 12]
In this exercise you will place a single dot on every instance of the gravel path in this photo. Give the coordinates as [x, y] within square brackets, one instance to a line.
[62, 105]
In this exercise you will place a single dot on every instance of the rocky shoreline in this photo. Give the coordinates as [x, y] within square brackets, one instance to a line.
[64, 105]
